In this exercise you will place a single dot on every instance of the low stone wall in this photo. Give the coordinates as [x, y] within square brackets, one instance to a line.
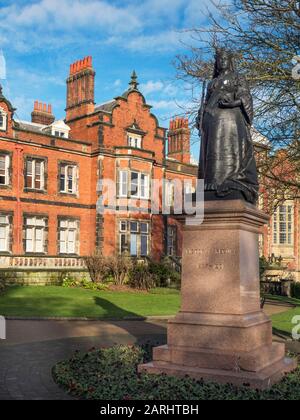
[40, 271]
[12, 277]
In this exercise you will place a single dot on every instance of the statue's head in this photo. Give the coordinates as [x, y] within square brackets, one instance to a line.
[224, 61]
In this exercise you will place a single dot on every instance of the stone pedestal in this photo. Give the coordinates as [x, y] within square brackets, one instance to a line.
[221, 334]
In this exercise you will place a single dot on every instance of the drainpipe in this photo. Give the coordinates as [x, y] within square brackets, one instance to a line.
[18, 218]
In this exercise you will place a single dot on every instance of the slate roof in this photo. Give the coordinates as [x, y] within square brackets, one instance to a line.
[106, 107]
[28, 126]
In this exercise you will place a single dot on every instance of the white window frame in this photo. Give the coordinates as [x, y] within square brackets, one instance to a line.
[68, 226]
[126, 185]
[283, 224]
[3, 126]
[66, 167]
[60, 134]
[172, 240]
[143, 195]
[6, 168]
[35, 225]
[134, 141]
[123, 184]
[169, 198]
[144, 186]
[128, 234]
[34, 162]
[6, 225]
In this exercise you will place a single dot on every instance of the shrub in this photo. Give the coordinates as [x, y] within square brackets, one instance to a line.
[263, 265]
[164, 273]
[111, 374]
[119, 266]
[140, 277]
[296, 290]
[3, 287]
[97, 267]
[84, 284]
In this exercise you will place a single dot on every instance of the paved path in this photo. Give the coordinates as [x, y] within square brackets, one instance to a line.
[33, 347]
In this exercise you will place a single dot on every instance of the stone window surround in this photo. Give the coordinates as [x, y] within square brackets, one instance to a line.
[277, 229]
[128, 233]
[5, 120]
[10, 215]
[44, 159]
[10, 169]
[174, 230]
[68, 163]
[46, 230]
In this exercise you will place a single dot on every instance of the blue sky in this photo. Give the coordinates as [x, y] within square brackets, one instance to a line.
[40, 38]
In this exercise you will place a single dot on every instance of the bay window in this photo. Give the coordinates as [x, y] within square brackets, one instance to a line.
[139, 185]
[123, 183]
[169, 193]
[135, 238]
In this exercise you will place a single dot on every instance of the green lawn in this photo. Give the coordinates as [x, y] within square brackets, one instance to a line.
[283, 322]
[65, 302]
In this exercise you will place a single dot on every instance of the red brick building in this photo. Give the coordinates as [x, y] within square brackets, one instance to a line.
[49, 171]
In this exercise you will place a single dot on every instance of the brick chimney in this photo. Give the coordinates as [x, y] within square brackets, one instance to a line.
[180, 140]
[42, 114]
[80, 89]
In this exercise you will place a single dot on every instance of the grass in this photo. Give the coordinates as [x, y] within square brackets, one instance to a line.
[282, 322]
[54, 301]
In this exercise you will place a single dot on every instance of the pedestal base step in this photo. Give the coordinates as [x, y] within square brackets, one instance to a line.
[253, 361]
[259, 380]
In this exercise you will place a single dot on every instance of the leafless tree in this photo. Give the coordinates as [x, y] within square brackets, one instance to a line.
[264, 36]
[97, 267]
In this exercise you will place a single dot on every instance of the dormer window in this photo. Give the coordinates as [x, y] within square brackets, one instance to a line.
[58, 129]
[134, 141]
[3, 120]
[59, 134]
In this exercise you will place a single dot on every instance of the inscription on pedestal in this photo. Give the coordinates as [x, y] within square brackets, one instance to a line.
[210, 255]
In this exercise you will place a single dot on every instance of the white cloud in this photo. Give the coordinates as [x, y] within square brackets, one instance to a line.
[159, 42]
[70, 14]
[147, 26]
[166, 89]
[117, 83]
[151, 87]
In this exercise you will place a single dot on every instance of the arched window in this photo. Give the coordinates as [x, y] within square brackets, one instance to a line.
[3, 119]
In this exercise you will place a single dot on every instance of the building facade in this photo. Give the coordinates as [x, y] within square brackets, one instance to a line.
[52, 173]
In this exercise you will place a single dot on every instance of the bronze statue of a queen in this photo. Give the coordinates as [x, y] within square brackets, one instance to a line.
[227, 162]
